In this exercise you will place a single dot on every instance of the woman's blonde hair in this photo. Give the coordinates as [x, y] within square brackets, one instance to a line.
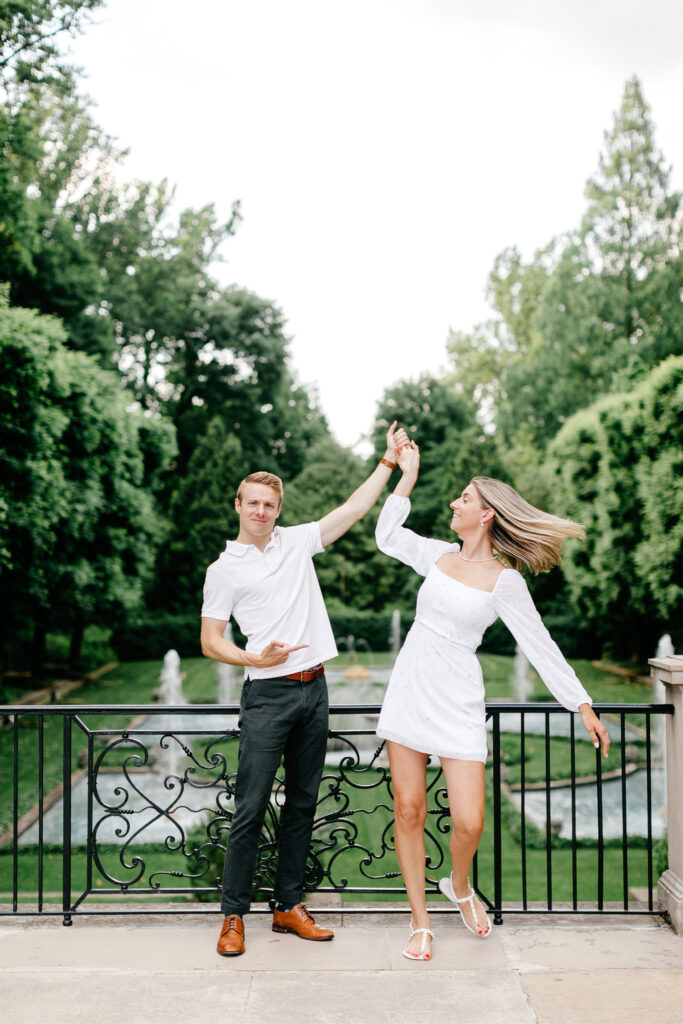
[522, 534]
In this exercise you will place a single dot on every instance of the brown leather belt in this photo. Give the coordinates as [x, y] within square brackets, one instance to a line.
[307, 675]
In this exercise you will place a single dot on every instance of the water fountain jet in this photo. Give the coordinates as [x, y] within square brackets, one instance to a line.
[354, 671]
[521, 678]
[227, 675]
[395, 633]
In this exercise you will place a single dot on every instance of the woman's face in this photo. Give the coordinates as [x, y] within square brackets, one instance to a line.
[466, 509]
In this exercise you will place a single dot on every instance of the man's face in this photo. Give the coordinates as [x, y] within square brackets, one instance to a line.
[258, 509]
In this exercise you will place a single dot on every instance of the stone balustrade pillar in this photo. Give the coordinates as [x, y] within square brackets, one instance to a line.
[669, 672]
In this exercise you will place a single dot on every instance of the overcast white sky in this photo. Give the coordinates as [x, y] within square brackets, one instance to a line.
[384, 150]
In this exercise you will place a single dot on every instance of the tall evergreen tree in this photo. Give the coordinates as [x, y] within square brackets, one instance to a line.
[591, 313]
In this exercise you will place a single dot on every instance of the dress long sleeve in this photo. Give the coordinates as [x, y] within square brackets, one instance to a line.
[395, 540]
[515, 606]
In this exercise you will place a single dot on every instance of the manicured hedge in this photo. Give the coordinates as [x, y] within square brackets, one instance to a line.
[371, 628]
[149, 636]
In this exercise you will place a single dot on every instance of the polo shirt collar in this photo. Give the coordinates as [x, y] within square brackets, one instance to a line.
[233, 547]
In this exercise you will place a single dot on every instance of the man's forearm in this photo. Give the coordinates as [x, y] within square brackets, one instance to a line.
[365, 496]
[229, 654]
[337, 522]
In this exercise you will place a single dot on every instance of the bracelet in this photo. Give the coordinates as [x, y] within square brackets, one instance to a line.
[385, 462]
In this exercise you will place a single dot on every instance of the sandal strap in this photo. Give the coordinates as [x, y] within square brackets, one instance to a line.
[424, 932]
[469, 899]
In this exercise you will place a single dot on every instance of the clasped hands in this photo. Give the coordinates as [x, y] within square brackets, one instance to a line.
[401, 450]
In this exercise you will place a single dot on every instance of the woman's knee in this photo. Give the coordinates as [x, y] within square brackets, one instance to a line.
[410, 812]
[468, 826]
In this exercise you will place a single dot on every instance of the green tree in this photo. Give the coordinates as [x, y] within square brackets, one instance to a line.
[618, 468]
[348, 569]
[453, 449]
[591, 313]
[453, 446]
[50, 145]
[236, 366]
[29, 31]
[79, 525]
[632, 229]
[201, 519]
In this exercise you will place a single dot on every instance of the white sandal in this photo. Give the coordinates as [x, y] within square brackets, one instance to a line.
[446, 887]
[424, 932]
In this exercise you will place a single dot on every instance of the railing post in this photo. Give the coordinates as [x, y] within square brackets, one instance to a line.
[497, 826]
[66, 821]
[669, 672]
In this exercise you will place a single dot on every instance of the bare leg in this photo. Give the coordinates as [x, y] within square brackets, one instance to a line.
[465, 782]
[409, 783]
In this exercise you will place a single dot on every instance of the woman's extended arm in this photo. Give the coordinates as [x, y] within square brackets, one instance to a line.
[515, 606]
[408, 459]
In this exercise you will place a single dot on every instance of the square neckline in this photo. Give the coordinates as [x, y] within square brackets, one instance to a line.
[469, 585]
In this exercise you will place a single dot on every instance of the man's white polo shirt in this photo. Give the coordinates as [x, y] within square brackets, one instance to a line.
[273, 595]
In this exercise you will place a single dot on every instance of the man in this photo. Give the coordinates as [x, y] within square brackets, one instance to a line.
[266, 580]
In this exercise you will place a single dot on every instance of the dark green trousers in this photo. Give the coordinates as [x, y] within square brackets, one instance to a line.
[278, 717]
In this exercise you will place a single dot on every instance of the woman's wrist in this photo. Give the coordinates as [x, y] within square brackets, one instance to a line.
[405, 486]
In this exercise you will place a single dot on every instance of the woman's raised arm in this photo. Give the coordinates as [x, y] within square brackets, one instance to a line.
[392, 537]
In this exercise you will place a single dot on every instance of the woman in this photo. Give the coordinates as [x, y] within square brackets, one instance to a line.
[435, 699]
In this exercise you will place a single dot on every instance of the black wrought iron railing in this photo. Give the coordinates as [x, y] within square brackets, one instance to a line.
[118, 809]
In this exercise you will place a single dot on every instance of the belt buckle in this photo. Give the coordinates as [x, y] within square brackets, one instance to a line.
[301, 675]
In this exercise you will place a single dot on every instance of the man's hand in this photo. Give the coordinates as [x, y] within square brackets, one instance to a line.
[274, 654]
[595, 729]
[337, 522]
[396, 440]
[214, 645]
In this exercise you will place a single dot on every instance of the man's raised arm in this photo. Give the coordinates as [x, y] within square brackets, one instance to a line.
[337, 522]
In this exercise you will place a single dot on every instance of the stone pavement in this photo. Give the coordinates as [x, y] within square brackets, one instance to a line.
[152, 970]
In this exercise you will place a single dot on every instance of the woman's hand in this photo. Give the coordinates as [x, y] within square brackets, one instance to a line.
[409, 458]
[594, 727]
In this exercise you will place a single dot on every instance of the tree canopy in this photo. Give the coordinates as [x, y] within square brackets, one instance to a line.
[137, 390]
[617, 467]
[78, 518]
[591, 312]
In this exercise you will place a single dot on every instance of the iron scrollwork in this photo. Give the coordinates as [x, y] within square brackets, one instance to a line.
[162, 803]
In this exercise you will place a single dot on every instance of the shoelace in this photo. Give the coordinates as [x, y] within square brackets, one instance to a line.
[231, 925]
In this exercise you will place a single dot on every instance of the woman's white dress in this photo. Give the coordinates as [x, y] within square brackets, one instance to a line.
[435, 698]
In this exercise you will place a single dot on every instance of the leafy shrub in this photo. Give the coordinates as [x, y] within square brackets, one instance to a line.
[661, 855]
[150, 636]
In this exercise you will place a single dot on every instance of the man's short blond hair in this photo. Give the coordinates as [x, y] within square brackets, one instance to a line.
[267, 479]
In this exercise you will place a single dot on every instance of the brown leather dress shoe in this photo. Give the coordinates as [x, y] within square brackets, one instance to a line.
[299, 921]
[231, 942]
